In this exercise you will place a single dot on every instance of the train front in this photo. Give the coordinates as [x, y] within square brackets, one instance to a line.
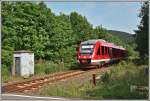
[85, 53]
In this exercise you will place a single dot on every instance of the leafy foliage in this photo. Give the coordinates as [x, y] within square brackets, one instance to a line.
[105, 77]
[81, 27]
[142, 32]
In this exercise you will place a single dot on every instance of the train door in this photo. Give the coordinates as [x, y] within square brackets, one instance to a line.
[98, 53]
[110, 55]
[106, 52]
[102, 52]
[102, 56]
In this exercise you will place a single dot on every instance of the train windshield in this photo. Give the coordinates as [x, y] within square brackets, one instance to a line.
[86, 49]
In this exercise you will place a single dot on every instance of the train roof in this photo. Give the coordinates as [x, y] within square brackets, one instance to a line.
[92, 41]
[103, 42]
[112, 45]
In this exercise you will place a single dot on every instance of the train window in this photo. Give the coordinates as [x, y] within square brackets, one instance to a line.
[98, 52]
[106, 50]
[113, 52]
[102, 50]
[86, 49]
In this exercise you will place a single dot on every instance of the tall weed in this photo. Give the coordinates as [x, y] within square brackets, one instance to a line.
[49, 67]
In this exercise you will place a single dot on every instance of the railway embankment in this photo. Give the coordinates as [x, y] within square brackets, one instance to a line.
[117, 81]
[115, 84]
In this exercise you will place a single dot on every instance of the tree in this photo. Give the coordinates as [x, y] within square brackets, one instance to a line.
[100, 32]
[61, 39]
[142, 32]
[25, 26]
[81, 27]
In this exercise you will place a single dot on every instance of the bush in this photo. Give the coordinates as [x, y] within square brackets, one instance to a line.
[39, 68]
[6, 74]
[105, 77]
[145, 60]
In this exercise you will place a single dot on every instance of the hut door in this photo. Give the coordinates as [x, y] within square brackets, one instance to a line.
[17, 65]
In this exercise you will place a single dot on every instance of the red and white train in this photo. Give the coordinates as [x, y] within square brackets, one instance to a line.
[98, 52]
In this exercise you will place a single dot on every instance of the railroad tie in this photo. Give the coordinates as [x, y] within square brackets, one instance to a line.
[20, 86]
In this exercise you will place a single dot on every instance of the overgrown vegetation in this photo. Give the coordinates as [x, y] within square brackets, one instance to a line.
[119, 82]
[46, 67]
[6, 76]
[112, 85]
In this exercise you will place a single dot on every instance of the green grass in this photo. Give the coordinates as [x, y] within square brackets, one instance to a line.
[41, 68]
[47, 67]
[6, 76]
[114, 85]
[119, 86]
[71, 90]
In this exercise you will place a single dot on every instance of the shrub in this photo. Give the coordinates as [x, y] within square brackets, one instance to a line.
[105, 77]
[5, 74]
[47, 70]
[39, 68]
[47, 67]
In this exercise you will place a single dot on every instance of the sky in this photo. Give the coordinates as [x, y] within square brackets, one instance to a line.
[121, 16]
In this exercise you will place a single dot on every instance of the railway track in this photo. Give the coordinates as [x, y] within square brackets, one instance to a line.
[37, 83]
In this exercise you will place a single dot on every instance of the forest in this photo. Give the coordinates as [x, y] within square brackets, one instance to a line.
[33, 26]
